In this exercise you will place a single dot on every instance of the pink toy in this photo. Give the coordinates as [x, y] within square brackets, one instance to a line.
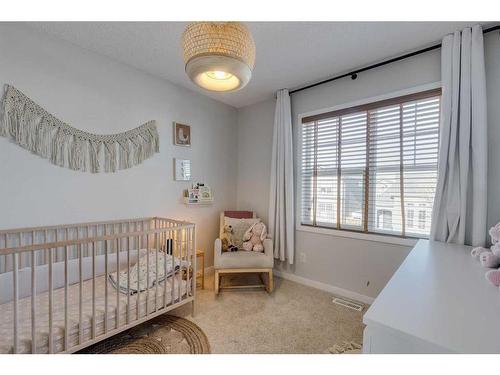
[491, 258]
[495, 233]
[493, 277]
[477, 251]
[254, 237]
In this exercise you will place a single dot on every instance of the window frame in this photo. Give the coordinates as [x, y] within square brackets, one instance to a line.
[345, 232]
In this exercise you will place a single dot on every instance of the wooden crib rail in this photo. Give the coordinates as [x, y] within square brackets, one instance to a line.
[91, 223]
[52, 245]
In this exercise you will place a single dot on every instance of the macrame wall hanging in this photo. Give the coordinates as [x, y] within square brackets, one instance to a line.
[32, 127]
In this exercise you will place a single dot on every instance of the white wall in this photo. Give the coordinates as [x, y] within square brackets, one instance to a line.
[99, 95]
[360, 266]
[255, 136]
[492, 57]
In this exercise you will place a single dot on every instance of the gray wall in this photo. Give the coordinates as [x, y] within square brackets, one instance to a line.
[492, 56]
[255, 136]
[359, 266]
[99, 95]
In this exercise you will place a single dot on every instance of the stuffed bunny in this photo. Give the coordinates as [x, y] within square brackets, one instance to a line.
[254, 237]
[227, 239]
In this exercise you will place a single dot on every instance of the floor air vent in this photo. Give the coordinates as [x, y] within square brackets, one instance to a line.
[348, 304]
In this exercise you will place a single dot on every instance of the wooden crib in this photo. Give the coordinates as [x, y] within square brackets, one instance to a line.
[66, 287]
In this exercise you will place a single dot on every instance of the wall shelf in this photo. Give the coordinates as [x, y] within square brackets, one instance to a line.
[198, 203]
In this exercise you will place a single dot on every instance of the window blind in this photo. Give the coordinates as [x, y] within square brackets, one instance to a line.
[372, 168]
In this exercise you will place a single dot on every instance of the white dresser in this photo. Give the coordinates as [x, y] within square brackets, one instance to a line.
[438, 301]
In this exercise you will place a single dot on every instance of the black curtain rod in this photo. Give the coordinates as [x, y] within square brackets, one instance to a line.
[354, 74]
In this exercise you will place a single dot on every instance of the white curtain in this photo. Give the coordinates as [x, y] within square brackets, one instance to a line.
[281, 197]
[459, 213]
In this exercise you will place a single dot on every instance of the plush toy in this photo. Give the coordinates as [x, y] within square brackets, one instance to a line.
[227, 239]
[490, 258]
[254, 237]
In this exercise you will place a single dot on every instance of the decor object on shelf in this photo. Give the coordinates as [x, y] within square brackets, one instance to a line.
[254, 237]
[182, 134]
[35, 129]
[182, 169]
[219, 56]
[198, 194]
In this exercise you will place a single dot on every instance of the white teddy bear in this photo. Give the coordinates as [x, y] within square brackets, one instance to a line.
[490, 258]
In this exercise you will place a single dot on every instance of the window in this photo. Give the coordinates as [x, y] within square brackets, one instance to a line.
[368, 168]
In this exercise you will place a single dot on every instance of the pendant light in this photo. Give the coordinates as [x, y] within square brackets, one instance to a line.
[219, 56]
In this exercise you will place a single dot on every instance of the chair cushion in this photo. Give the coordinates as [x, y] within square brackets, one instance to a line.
[244, 259]
[240, 226]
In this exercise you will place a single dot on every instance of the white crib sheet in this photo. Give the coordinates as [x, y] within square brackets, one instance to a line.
[42, 307]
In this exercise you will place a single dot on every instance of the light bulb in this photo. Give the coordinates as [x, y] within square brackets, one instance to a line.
[219, 75]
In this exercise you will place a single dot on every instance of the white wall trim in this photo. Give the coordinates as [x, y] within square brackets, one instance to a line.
[358, 235]
[325, 287]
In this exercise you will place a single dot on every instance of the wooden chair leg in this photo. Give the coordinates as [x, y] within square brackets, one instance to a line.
[216, 280]
[270, 284]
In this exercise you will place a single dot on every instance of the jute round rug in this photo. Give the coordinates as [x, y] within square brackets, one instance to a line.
[165, 334]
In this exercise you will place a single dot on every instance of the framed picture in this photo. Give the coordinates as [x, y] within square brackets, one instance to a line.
[182, 135]
[182, 169]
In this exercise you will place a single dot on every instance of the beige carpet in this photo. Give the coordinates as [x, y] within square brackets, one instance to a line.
[294, 319]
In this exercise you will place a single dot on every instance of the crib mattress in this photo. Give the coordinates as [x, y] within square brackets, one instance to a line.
[136, 305]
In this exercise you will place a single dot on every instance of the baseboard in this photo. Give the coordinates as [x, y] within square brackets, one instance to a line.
[325, 287]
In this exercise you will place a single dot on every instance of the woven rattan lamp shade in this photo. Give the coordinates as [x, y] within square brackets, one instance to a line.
[219, 56]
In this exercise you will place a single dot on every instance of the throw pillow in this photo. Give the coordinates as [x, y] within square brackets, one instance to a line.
[240, 226]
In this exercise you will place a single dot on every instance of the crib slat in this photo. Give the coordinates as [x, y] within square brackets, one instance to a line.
[117, 314]
[33, 302]
[16, 301]
[165, 265]
[147, 272]
[156, 266]
[174, 244]
[138, 275]
[193, 262]
[51, 302]
[179, 276]
[80, 294]
[128, 277]
[188, 260]
[65, 248]
[45, 259]
[172, 257]
[93, 290]
[105, 286]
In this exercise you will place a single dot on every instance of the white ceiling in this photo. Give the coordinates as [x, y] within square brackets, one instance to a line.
[289, 54]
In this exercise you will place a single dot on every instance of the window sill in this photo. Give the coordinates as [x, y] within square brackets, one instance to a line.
[359, 236]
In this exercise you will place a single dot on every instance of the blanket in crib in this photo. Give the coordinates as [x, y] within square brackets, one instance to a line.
[138, 273]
